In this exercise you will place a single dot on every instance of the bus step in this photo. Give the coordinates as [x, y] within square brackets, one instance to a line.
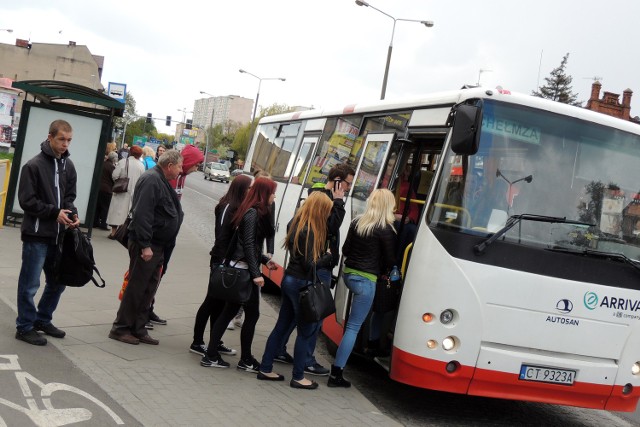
[385, 362]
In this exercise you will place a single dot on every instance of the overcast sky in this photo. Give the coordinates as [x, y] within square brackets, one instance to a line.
[333, 52]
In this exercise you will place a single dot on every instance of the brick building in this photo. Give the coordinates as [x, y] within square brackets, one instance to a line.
[610, 103]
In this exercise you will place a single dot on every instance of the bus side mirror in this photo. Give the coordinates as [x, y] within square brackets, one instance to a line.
[467, 121]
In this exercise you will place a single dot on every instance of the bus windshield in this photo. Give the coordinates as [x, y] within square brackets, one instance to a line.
[533, 162]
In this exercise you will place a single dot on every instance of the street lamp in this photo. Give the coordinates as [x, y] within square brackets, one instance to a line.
[184, 113]
[260, 79]
[427, 24]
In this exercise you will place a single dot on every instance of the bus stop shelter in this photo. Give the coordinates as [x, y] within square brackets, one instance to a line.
[90, 113]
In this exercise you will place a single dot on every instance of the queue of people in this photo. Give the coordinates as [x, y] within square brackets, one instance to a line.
[244, 222]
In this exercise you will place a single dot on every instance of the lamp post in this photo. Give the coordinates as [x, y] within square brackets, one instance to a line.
[260, 79]
[427, 24]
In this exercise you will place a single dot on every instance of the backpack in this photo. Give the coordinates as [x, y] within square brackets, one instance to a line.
[75, 264]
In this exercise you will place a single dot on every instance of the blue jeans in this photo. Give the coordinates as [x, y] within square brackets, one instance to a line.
[325, 277]
[363, 292]
[307, 332]
[37, 256]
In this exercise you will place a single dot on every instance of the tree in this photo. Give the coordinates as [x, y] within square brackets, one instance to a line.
[140, 127]
[129, 116]
[558, 87]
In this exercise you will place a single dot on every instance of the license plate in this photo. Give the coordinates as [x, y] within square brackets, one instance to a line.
[547, 375]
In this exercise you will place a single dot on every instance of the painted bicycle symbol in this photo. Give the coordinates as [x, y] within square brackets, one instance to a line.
[45, 415]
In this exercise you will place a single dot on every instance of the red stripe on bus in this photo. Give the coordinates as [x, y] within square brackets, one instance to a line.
[420, 372]
[276, 275]
[428, 373]
[349, 109]
[332, 329]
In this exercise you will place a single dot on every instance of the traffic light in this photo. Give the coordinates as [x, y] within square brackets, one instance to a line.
[149, 117]
[168, 122]
[189, 124]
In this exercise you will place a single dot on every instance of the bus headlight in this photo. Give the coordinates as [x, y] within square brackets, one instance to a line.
[431, 344]
[635, 369]
[446, 317]
[449, 343]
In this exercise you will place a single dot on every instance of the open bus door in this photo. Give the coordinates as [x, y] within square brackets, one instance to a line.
[375, 151]
[291, 196]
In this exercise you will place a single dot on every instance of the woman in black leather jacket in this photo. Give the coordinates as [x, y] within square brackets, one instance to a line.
[370, 251]
[307, 244]
[254, 225]
[212, 307]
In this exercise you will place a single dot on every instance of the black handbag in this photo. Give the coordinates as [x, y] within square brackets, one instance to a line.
[387, 295]
[122, 232]
[228, 283]
[316, 301]
[121, 184]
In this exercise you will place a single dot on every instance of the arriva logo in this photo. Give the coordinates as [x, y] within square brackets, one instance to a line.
[590, 300]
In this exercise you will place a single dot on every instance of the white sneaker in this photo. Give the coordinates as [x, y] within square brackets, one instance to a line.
[231, 326]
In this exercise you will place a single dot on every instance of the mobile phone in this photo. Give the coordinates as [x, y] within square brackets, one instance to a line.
[336, 184]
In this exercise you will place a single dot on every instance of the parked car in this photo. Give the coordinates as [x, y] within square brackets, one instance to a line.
[216, 171]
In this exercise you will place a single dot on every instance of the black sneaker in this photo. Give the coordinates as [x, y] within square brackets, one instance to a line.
[316, 369]
[208, 363]
[225, 350]
[31, 337]
[284, 358]
[249, 365]
[200, 349]
[148, 326]
[49, 329]
[153, 318]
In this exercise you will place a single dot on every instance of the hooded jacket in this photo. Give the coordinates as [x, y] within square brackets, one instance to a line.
[46, 186]
[191, 156]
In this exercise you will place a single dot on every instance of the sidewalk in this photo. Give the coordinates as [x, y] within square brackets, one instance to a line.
[165, 385]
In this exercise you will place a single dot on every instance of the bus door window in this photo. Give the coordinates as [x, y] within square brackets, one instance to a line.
[336, 146]
[369, 171]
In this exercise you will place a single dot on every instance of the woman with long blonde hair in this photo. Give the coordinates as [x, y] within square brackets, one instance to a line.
[307, 244]
[370, 251]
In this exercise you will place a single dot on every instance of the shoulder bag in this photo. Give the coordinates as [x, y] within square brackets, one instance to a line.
[121, 184]
[228, 283]
[122, 232]
[316, 301]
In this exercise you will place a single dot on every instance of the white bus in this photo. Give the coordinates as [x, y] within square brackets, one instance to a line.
[521, 279]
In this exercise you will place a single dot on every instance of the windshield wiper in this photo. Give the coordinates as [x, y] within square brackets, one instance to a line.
[598, 254]
[514, 219]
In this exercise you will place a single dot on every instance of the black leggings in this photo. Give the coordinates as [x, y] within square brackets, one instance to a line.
[210, 309]
[251, 315]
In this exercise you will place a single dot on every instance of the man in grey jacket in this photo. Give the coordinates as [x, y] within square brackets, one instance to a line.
[156, 219]
[46, 193]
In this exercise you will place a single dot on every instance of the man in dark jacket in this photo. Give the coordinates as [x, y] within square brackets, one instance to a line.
[156, 220]
[46, 193]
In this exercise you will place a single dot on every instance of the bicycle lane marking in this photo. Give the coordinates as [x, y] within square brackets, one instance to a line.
[48, 416]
